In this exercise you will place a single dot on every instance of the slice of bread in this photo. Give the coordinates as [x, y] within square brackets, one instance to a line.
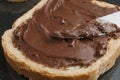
[35, 71]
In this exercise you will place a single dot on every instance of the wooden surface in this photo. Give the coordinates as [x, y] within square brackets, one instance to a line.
[9, 12]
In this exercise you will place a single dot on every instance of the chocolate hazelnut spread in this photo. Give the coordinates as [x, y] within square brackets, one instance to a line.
[64, 33]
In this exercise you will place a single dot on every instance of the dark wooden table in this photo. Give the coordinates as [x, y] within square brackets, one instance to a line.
[9, 12]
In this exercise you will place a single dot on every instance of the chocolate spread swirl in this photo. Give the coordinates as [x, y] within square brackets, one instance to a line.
[64, 33]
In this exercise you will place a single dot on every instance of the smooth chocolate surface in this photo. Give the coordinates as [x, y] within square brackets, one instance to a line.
[63, 33]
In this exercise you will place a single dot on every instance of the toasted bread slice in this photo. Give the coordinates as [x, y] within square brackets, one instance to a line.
[34, 71]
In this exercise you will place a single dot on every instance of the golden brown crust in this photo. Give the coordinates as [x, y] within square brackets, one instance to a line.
[36, 71]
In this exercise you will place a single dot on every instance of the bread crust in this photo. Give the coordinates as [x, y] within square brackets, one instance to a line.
[35, 71]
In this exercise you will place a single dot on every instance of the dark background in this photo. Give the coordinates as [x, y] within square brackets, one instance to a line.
[9, 12]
